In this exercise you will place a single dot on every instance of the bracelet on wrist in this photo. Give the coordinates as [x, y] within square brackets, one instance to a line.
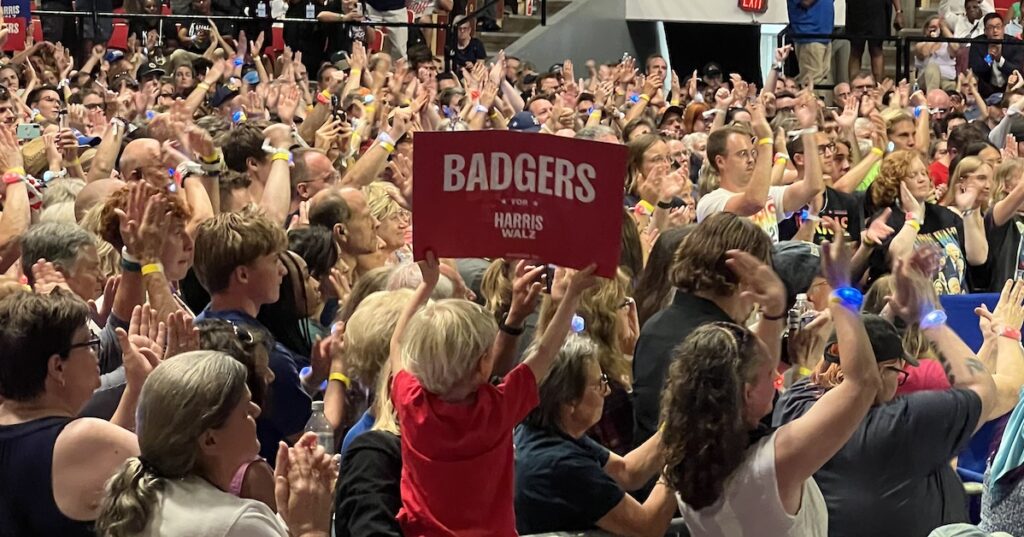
[644, 97]
[877, 151]
[779, 317]
[665, 205]
[1009, 332]
[130, 266]
[152, 268]
[848, 297]
[932, 319]
[129, 257]
[914, 224]
[766, 141]
[340, 377]
[282, 155]
[510, 330]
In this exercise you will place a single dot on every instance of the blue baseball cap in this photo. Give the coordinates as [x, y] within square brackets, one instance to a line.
[524, 122]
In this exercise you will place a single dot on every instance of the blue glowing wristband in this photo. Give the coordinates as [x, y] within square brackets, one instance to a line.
[933, 319]
[848, 297]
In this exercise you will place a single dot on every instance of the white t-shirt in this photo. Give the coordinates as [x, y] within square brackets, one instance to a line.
[192, 507]
[767, 218]
[750, 506]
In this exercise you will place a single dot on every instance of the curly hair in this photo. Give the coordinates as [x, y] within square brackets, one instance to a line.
[699, 263]
[895, 168]
[705, 436]
[110, 225]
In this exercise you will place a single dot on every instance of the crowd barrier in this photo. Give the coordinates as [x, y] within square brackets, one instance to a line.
[904, 47]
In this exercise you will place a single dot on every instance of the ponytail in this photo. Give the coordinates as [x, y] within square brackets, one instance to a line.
[130, 499]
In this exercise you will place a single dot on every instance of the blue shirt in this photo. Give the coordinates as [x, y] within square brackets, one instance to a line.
[288, 406]
[817, 19]
[364, 424]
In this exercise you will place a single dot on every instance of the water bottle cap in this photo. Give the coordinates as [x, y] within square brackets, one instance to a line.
[318, 406]
[801, 296]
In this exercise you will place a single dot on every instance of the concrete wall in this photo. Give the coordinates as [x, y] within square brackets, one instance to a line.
[585, 29]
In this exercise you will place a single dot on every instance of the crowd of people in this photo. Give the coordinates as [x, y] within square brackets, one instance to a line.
[212, 321]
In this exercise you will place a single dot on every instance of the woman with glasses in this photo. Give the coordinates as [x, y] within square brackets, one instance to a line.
[893, 476]
[54, 466]
[395, 230]
[567, 482]
[904, 186]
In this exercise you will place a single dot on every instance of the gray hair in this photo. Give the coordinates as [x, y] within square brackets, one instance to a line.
[183, 398]
[596, 132]
[690, 140]
[63, 191]
[566, 381]
[408, 276]
[56, 242]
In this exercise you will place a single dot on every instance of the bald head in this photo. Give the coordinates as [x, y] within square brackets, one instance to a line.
[938, 99]
[139, 154]
[94, 194]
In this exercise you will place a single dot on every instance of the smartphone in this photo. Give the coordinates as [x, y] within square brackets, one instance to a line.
[62, 118]
[549, 277]
[29, 131]
[337, 111]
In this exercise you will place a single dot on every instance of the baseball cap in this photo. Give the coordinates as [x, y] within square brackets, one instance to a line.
[796, 263]
[113, 55]
[151, 69]
[223, 94]
[670, 111]
[994, 99]
[711, 70]
[884, 338]
[524, 122]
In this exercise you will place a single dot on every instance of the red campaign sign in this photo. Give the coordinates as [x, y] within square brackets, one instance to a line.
[519, 196]
[16, 28]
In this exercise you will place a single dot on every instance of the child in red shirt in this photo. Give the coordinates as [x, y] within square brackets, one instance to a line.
[457, 457]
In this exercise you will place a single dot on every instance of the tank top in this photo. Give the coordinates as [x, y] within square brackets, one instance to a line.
[27, 507]
[750, 505]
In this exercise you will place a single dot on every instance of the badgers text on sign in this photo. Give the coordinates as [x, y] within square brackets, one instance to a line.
[518, 195]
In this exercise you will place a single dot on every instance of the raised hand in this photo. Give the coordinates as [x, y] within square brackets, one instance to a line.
[46, 278]
[758, 282]
[182, 336]
[430, 268]
[835, 258]
[526, 287]
[878, 230]
[98, 314]
[912, 292]
[304, 485]
[142, 344]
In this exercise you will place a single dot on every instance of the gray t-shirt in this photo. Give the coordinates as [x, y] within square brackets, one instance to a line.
[893, 477]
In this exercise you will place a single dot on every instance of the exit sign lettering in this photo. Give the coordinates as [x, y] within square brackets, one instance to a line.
[754, 6]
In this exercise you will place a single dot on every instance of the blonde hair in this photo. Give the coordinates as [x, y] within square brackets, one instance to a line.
[1010, 169]
[496, 287]
[384, 418]
[379, 200]
[186, 396]
[368, 333]
[599, 308]
[110, 258]
[966, 166]
[445, 341]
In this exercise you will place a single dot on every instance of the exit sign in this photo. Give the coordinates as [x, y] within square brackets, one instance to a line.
[754, 6]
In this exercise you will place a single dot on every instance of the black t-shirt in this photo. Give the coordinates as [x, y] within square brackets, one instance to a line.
[368, 495]
[942, 228]
[658, 338]
[843, 207]
[1005, 250]
[561, 484]
[474, 51]
[893, 477]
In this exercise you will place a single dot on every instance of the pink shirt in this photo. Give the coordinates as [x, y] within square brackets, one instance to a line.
[927, 376]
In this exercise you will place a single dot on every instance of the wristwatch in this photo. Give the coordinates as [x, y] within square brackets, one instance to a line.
[510, 330]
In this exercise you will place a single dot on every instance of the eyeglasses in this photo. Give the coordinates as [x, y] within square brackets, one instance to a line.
[902, 374]
[93, 344]
[745, 154]
[602, 384]
[826, 148]
[93, 106]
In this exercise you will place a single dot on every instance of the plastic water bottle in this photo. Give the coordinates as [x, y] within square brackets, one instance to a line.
[318, 424]
[800, 314]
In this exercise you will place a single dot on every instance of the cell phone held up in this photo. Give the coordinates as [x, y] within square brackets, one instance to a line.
[27, 132]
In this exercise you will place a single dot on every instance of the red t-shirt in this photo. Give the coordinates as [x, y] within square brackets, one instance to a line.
[927, 376]
[939, 173]
[457, 459]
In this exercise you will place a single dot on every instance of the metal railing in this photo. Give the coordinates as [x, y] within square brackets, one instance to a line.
[450, 26]
[904, 45]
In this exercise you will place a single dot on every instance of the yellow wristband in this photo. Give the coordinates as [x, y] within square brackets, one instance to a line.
[781, 161]
[674, 102]
[203, 86]
[595, 113]
[340, 377]
[151, 268]
[645, 98]
[370, 109]
[281, 155]
[17, 170]
[804, 372]
[877, 151]
[388, 146]
[356, 73]
[914, 224]
[766, 141]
